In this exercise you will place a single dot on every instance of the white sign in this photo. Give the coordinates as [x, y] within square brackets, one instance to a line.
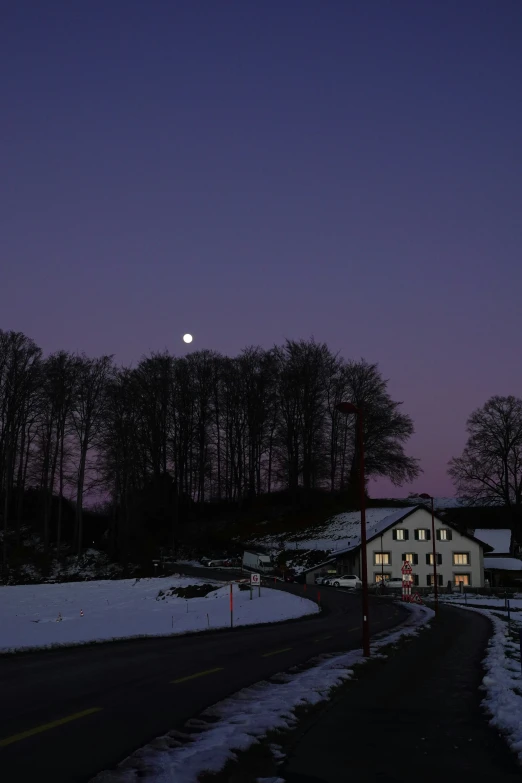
[255, 579]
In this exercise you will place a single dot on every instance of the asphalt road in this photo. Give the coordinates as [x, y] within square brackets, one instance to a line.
[67, 714]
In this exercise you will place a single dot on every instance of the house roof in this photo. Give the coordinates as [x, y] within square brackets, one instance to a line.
[392, 519]
[498, 540]
[502, 564]
[376, 528]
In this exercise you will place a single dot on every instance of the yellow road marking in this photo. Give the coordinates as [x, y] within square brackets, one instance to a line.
[198, 674]
[276, 652]
[47, 726]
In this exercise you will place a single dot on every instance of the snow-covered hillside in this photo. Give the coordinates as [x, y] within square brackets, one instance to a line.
[79, 612]
[341, 532]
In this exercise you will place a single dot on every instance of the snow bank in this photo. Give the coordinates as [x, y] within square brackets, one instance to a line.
[246, 716]
[37, 616]
[503, 679]
[487, 601]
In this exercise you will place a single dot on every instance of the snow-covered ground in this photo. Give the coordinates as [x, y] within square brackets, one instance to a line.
[33, 616]
[239, 721]
[487, 601]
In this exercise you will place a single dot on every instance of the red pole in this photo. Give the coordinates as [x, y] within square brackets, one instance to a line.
[364, 559]
[231, 607]
[435, 584]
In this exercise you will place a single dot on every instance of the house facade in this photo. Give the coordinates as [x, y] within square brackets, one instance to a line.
[407, 536]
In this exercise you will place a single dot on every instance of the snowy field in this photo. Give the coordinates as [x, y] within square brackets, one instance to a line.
[241, 720]
[35, 616]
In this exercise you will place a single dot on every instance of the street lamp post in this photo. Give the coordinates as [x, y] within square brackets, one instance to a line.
[435, 581]
[348, 408]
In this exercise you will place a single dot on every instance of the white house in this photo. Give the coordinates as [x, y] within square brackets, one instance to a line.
[405, 534]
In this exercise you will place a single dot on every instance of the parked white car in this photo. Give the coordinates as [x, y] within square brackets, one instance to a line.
[323, 580]
[348, 580]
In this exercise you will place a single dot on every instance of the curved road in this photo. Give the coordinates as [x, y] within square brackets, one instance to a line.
[67, 714]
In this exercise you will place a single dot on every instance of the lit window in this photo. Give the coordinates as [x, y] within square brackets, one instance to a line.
[411, 558]
[462, 579]
[380, 577]
[381, 558]
[429, 559]
[444, 534]
[460, 558]
[422, 535]
[400, 534]
[429, 580]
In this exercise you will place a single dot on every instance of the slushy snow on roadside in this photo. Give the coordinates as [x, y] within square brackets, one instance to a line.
[503, 680]
[239, 721]
[38, 616]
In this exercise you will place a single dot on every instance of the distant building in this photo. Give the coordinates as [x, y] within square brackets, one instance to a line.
[405, 534]
[501, 567]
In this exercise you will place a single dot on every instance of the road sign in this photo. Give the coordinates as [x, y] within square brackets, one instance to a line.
[255, 579]
[406, 567]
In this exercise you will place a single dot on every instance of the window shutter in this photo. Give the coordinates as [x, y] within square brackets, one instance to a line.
[428, 534]
[415, 560]
[438, 534]
[403, 556]
[439, 559]
[428, 580]
[395, 535]
[406, 535]
[441, 583]
[415, 579]
[428, 560]
[449, 534]
[416, 533]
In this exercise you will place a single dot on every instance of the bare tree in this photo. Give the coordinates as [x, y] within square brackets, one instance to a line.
[19, 358]
[304, 369]
[489, 470]
[386, 428]
[61, 386]
[87, 411]
[175, 432]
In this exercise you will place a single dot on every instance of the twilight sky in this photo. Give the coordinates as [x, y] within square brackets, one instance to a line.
[250, 170]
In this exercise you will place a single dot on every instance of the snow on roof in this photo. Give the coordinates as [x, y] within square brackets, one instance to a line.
[500, 540]
[502, 564]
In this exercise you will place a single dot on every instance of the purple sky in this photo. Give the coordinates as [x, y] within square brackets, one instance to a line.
[250, 170]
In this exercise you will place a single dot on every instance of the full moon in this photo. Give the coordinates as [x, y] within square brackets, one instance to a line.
[187, 338]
